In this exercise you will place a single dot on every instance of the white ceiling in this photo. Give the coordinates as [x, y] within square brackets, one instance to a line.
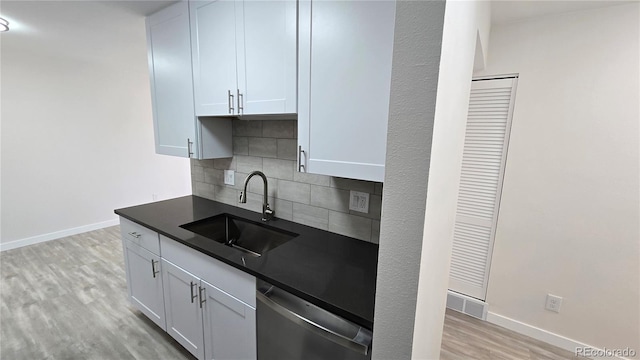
[507, 11]
[142, 8]
[503, 11]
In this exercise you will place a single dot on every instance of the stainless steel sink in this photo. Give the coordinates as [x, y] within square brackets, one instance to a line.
[245, 235]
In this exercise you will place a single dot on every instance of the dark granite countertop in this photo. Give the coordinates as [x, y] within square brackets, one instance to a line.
[335, 272]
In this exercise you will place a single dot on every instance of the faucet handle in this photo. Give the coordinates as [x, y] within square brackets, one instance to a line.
[243, 197]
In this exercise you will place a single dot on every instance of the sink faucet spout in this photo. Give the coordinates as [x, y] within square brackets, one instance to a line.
[267, 212]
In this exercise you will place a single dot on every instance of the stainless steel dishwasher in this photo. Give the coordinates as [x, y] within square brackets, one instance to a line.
[290, 328]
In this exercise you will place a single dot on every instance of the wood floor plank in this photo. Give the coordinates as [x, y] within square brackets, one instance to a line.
[67, 299]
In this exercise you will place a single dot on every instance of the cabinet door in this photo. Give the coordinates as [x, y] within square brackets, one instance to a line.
[346, 49]
[214, 56]
[182, 302]
[229, 326]
[267, 51]
[144, 282]
[169, 53]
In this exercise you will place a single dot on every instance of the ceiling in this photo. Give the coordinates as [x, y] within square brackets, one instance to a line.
[142, 8]
[507, 11]
[503, 11]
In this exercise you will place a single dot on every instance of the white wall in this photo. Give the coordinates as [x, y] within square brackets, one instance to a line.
[465, 22]
[569, 216]
[77, 134]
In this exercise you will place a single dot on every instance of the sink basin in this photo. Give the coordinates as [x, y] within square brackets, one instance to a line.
[251, 237]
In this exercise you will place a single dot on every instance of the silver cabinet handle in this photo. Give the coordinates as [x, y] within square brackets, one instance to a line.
[301, 167]
[230, 102]
[189, 143]
[153, 268]
[202, 300]
[240, 102]
[193, 296]
[135, 235]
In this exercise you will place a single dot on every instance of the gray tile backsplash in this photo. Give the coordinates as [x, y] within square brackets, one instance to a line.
[315, 200]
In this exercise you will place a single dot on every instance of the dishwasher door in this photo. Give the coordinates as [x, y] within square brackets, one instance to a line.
[289, 328]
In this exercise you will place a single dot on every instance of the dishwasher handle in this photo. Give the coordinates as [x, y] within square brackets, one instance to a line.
[360, 343]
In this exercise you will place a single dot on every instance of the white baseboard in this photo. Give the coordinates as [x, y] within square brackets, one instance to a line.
[57, 235]
[538, 334]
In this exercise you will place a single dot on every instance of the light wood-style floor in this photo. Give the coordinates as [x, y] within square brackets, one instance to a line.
[67, 299]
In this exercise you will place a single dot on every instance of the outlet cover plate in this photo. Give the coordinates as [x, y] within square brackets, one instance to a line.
[229, 177]
[553, 303]
[359, 201]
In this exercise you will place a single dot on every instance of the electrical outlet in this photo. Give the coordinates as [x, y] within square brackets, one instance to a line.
[553, 303]
[154, 197]
[229, 177]
[359, 201]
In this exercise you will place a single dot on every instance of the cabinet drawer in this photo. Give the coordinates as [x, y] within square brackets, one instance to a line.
[234, 282]
[140, 235]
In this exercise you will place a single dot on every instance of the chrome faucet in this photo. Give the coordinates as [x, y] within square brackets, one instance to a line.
[267, 213]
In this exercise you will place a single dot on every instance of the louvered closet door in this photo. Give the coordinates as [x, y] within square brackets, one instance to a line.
[485, 150]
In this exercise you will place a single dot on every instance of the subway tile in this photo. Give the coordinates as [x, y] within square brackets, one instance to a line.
[293, 191]
[204, 190]
[263, 147]
[314, 179]
[247, 164]
[377, 188]
[226, 195]
[352, 184]
[214, 176]
[256, 186]
[247, 128]
[375, 208]
[330, 198]
[197, 173]
[282, 129]
[240, 145]
[225, 163]
[254, 202]
[206, 163]
[279, 169]
[287, 149]
[311, 216]
[350, 225]
[239, 178]
[375, 231]
[283, 209]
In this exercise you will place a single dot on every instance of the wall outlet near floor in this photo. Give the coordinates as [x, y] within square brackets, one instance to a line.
[553, 303]
[359, 201]
[229, 177]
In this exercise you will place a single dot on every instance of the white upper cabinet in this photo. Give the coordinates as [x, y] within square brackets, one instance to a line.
[344, 79]
[244, 57]
[267, 56]
[177, 130]
[171, 83]
[214, 59]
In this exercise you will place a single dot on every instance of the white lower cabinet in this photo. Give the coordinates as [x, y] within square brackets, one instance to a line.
[208, 306]
[183, 308]
[144, 281]
[229, 326]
